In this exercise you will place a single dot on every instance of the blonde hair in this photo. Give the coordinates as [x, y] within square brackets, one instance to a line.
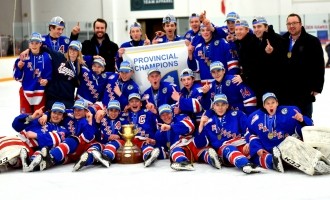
[79, 59]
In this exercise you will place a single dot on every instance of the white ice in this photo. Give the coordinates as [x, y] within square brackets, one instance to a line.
[158, 181]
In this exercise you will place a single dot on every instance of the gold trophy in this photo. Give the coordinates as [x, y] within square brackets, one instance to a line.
[129, 153]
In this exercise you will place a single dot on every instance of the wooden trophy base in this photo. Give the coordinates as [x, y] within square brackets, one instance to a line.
[129, 155]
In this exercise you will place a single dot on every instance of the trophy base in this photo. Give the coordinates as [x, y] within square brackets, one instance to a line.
[129, 155]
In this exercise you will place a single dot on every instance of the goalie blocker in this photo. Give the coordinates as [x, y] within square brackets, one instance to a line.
[303, 157]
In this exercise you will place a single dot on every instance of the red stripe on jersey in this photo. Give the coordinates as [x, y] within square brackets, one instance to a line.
[36, 94]
[177, 154]
[233, 156]
[190, 125]
[198, 107]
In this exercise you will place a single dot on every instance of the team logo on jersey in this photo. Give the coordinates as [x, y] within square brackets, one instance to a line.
[29, 65]
[67, 40]
[130, 87]
[214, 127]
[142, 119]
[216, 43]
[234, 113]
[188, 36]
[112, 77]
[103, 75]
[146, 97]
[245, 92]
[254, 118]
[284, 111]
[164, 90]
[228, 82]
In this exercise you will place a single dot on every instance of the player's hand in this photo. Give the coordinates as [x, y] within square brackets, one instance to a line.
[99, 115]
[24, 55]
[127, 107]
[121, 51]
[116, 89]
[20, 64]
[298, 116]
[114, 137]
[89, 117]
[230, 37]
[76, 29]
[202, 123]
[151, 107]
[314, 93]
[175, 95]
[206, 87]
[191, 50]
[146, 41]
[150, 141]
[237, 79]
[43, 82]
[246, 149]
[187, 42]
[38, 113]
[269, 49]
[202, 16]
[261, 152]
[42, 120]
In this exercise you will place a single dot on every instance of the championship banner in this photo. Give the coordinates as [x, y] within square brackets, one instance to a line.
[170, 58]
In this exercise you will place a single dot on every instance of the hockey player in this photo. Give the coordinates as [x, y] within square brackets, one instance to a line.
[269, 126]
[240, 96]
[80, 124]
[175, 136]
[93, 81]
[225, 131]
[135, 33]
[120, 86]
[169, 26]
[55, 40]
[194, 23]
[33, 136]
[110, 140]
[210, 49]
[159, 92]
[34, 73]
[146, 125]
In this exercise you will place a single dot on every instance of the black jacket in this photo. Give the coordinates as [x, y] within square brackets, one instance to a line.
[107, 50]
[305, 68]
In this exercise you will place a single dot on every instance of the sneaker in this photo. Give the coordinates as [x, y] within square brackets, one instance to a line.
[322, 168]
[151, 157]
[81, 162]
[35, 162]
[47, 159]
[23, 155]
[182, 166]
[103, 159]
[277, 160]
[251, 168]
[215, 162]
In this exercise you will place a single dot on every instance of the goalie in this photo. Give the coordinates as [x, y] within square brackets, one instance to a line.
[274, 131]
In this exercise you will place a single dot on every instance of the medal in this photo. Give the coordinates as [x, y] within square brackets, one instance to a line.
[219, 136]
[289, 54]
[168, 144]
[270, 135]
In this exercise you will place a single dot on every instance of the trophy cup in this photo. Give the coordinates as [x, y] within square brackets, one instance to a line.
[129, 153]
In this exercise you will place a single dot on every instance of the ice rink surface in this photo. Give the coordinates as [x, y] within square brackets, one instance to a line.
[158, 181]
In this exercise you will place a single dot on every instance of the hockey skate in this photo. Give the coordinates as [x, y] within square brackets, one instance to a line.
[33, 165]
[215, 162]
[103, 159]
[47, 159]
[277, 160]
[81, 162]
[23, 155]
[182, 166]
[153, 155]
[251, 168]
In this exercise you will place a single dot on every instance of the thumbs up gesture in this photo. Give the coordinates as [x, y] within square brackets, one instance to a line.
[269, 49]
[206, 87]
[175, 95]
[76, 29]
[146, 41]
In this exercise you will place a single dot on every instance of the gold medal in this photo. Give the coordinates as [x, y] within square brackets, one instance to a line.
[168, 144]
[270, 135]
[219, 136]
[289, 54]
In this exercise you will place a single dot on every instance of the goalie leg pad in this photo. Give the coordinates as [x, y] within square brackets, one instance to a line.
[300, 155]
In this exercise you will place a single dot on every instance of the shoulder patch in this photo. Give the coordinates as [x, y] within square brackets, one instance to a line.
[67, 40]
[228, 82]
[216, 43]
[103, 75]
[164, 90]
[254, 118]
[112, 77]
[130, 87]
[284, 111]
[188, 36]
[234, 113]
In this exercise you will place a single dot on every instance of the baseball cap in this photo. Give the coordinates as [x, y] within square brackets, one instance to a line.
[169, 18]
[99, 61]
[165, 108]
[80, 104]
[242, 22]
[135, 25]
[268, 95]
[125, 66]
[194, 15]
[75, 44]
[220, 98]
[114, 104]
[57, 21]
[134, 95]
[154, 69]
[216, 65]
[259, 20]
[186, 72]
[58, 107]
[232, 16]
[36, 37]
